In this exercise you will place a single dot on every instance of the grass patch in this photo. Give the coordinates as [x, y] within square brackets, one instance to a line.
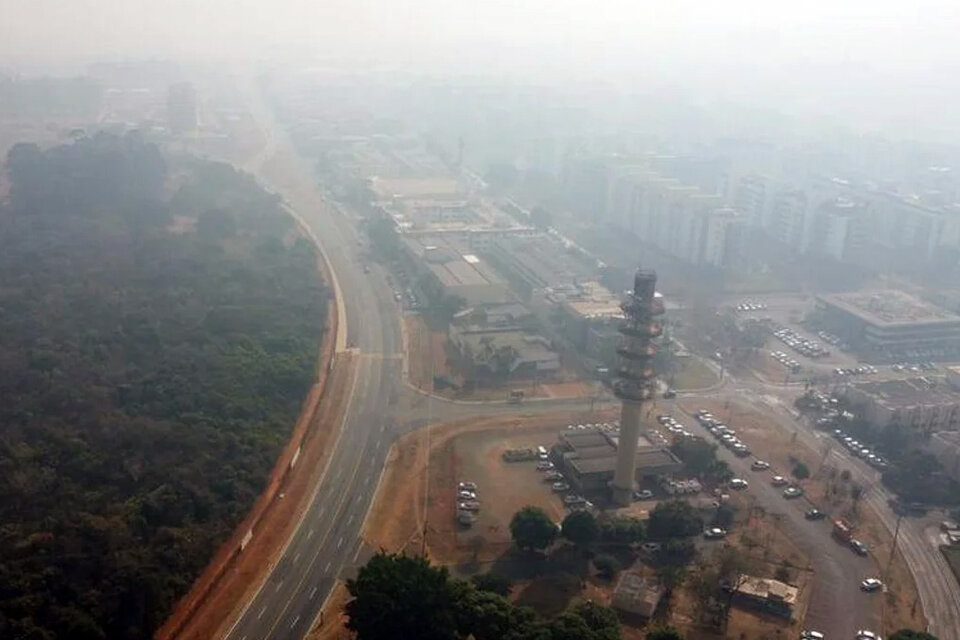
[693, 373]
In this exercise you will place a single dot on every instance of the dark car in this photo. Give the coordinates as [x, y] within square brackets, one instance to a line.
[858, 547]
[814, 514]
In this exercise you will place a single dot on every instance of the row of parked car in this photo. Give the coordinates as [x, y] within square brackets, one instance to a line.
[468, 502]
[724, 434]
[559, 484]
[860, 450]
[800, 344]
[749, 305]
[786, 361]
[864, 369]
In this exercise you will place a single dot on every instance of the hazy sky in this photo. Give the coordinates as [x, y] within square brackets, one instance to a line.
[881, 61]
[887, 33]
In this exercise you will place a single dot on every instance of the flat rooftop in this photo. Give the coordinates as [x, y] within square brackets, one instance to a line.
[419, 188]
[890, 308]
[910, 391]
[768, 589]
[592, 300]
[453, 264]
[596, 452]
[544, 261]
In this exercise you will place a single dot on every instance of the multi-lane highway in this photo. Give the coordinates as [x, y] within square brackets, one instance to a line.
[327, 537]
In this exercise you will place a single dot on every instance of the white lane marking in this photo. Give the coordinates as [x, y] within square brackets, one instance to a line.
[295, 621]
[279, 584]
[350, 520]
[382, 428]
[313, 592]
[323, 508]
[296, 558]
[326, 569]
[262, 611]
[309, 534]
[340, 542]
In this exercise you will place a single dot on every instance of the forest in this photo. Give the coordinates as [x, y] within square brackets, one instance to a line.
[159, 327]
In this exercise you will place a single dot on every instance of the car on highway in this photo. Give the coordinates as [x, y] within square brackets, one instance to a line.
[871, 584]
[792, 492]
[714, 533]
[814, 514]
[760, 465]
[809, 634]
[778, 481]
[858, 547]
[739, 484]
[560, 487]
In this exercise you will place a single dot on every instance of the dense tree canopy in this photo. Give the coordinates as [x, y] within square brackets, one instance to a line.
[580, 528]
[395, 596]
[532, 528]
[664, 633]
[674, 519]
[910, 634]
[152, 363]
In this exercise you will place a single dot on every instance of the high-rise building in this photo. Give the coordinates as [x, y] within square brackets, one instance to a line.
[636, 382]
[182, 113]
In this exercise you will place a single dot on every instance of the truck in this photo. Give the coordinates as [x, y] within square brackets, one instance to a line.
[842, 531]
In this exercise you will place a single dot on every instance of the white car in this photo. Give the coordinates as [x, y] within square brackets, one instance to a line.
[739, 484]
[467, 495]
[467, 486]
[714, 533]
[871, 584]
[809, 634]
[778, 481]
[760, 465]
[544, 465]
[560, 487]
[864, 634]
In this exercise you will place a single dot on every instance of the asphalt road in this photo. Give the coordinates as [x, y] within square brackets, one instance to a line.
[328, 536]
[837, 607]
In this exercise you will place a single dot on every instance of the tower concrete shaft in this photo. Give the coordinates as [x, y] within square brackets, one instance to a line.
[636, 381]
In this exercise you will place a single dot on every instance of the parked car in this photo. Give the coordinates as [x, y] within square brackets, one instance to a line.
[858, 547]
[544, 465]
[560, 487]
[669, 393]
[778, 481]
[573, 499]
[466, 486]
[714, 533]
[864, 634]
[552, 475]
[650, 547]
[814, 514]
[469, 505]
[739, 484]
[760, 465]
[467, 495]
[792, 492]
[808, 634]
[645, 494]
[871, 584]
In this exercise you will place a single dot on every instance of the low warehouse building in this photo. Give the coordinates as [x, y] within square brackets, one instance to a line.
[588, 460]
[766, 595]
[638, 594]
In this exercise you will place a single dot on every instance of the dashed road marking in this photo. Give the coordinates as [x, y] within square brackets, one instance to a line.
[296, 558]
[295, 621]
[309, 534]
[350, 520]
[340, 542]
[262, 611]
[279, 584]
[326, 569]
[313, 592]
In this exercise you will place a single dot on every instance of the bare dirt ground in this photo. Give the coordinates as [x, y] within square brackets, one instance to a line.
[418, 486]
[768, 442]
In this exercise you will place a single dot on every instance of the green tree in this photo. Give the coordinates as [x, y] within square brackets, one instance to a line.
[586, 621]
[664, 633]
[531, 528]
[607, 565]
[397, 596]
[580, 528]
[801, 471]
[493, 582]
[621, 529]
[674, 519]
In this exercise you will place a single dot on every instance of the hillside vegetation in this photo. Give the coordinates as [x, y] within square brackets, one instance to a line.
[158, 331]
